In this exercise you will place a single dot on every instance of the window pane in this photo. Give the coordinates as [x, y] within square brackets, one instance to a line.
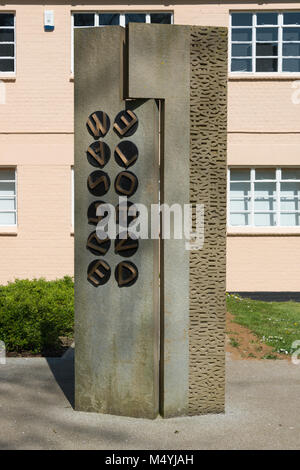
[7, 35]
[239, 219]
[241, 65]
[266, 49]
[292, 17]
[239, 190]
[7, 204]
[240, 174]
[290, 173]
[264, 220]
[7, 65]
[240, 205]
[291, 65]
[106, 19]
[289, 204]
[291, 34]
[241, 35]
[7, 50]
[265, 174]
[7, 189]
[84, 19]
[267, 18]
[265, 204]
[7, 174]
[266, 34]
[240, 50]
[135, 18]
[162, 18]
[290, 190]
[289, 220]
[266, 65]
[291, 49]
[265, 189]
[241, 19]
[6, 19]
[7, 218]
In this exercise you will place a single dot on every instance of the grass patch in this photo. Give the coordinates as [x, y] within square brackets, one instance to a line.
[276, 323]
[234, 343]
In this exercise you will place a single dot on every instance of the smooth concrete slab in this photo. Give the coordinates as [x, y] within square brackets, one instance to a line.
[159, 67]
[262, 402]
[116, 329]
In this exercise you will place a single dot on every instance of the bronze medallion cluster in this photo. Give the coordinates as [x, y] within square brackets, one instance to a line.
[99, 183]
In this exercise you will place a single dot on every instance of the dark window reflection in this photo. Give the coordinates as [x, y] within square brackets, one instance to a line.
[7, 35]
[7, 50]
[267, 18]
[7, 65]
[241, 65]
[107, 19]
[6, 19]
[241, 19]
[291, 18]
[135, 18]
[266, 49]
[84, 19]
[291, 65]
[266, 65]
[162, 18]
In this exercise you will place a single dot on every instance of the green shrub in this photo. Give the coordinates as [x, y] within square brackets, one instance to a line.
[35, 313]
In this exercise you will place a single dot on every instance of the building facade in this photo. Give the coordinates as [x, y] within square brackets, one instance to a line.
[36, 134]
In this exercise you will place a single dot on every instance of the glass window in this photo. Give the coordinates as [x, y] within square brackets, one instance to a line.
[241, 50]
[292, 17]
[264, 197]
[7, 19]
[8, 212]
[82, 20]
[106, 19]
[267, 18]
[135, 18]
[162, 18]
[242, 19]
[7, 42]
[265, 42]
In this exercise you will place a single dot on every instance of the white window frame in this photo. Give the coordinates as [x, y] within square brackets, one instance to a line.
[15, 181]
[280, 27]
[11, 73]
[116, 12]
[251, 211]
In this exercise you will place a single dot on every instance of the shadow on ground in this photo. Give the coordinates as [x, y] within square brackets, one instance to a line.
[64, 374]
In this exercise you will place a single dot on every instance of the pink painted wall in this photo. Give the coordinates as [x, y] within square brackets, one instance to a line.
[36, 127]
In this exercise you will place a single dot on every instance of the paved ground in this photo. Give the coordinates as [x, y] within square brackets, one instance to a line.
[262, 412]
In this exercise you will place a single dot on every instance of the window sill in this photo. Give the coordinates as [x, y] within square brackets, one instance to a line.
[8, 231]
[263, 231]
[8, 78]
[263, 76]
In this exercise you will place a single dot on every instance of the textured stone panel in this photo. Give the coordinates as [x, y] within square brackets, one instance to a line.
[208, 116]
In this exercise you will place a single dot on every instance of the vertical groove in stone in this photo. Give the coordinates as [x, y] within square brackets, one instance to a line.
[208, 139]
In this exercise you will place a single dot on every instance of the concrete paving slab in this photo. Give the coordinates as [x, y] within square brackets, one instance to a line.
[36, 398]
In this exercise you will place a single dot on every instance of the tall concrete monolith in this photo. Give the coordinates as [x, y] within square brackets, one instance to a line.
[150, 124]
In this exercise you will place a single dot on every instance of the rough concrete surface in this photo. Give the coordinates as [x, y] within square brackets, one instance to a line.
[262, 412]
